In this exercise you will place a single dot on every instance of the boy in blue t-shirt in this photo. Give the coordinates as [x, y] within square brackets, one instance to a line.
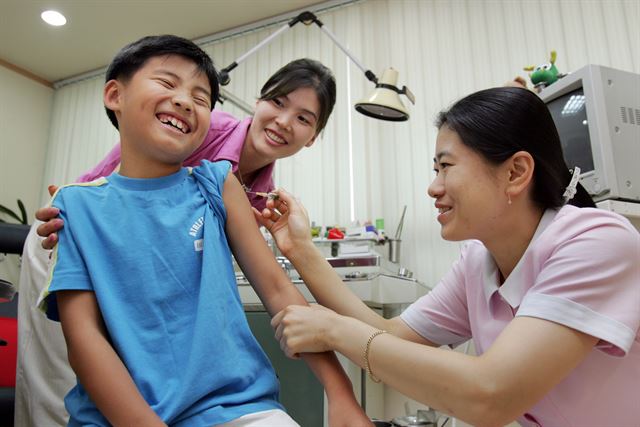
[142, 279]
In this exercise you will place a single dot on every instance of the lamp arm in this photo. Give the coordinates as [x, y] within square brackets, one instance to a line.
[262, 43]
[223, 75]
[368, 73]
[306, 18]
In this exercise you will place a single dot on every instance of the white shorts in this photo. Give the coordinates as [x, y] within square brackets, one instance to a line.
[270, 418]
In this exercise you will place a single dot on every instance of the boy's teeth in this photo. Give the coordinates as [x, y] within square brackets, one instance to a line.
[174, 122]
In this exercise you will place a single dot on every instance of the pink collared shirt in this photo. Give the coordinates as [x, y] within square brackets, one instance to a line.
[224, 141]
[581, 270]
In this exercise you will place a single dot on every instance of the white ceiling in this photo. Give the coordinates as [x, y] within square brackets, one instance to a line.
[97, 29]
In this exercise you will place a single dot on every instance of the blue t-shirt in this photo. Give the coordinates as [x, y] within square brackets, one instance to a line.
[155, 253]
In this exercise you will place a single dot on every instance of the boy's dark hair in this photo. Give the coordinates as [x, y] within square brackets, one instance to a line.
[133, 56]
[304, 73]
[498, 122]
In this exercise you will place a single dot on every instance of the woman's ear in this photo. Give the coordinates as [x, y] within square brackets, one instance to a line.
[111, 95]
[520, 170]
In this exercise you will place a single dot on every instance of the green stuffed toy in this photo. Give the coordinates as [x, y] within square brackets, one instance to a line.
[544, 74]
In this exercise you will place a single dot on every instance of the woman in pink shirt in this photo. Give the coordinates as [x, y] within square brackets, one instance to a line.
[548, 292]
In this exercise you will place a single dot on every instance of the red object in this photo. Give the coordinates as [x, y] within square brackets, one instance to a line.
[335, 234]
[9, 352]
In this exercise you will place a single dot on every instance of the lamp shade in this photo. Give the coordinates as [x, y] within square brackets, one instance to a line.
[384, 103]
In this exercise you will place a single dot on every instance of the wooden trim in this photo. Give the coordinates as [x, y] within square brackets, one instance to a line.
[25, 73]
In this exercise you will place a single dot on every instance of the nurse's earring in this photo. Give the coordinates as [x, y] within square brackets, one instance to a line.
[509, 194]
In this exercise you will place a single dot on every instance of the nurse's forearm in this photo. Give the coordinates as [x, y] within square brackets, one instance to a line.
[450, 382]
[327, 287]
[523, 364]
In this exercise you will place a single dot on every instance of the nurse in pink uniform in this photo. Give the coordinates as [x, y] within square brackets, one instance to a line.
[547, 286]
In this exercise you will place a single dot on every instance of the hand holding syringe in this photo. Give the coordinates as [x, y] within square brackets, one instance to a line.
[286, 219]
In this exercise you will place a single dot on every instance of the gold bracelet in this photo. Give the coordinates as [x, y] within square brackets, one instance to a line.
[367, 367]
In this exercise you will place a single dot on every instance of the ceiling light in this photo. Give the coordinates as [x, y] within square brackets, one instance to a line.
[54, 18]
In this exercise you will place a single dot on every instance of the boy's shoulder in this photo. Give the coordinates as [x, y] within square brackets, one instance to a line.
[211, 177]
[215, 168]
[79, 188]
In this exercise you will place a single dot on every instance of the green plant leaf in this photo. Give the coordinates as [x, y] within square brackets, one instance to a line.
[7, 211]
[23, 211]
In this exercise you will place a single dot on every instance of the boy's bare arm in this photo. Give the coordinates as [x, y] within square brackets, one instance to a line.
[277, 292]
[98, 367]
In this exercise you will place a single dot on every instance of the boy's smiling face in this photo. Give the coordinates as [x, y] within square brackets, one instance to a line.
[163, 114]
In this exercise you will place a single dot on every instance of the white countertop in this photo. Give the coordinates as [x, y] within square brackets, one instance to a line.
[378, 289]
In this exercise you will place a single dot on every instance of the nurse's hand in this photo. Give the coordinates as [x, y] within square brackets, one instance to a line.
[287, 221]
[304, 329]
[52, 224]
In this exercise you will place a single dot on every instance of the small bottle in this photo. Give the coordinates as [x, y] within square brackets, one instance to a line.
[380, 228]
[315, 230]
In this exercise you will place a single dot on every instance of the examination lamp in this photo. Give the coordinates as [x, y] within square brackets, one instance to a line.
[384, 103]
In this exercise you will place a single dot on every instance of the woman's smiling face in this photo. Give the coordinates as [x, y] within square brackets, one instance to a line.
[283, 126]
[468, 190]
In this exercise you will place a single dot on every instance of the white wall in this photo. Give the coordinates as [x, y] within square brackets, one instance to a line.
[25, 111]
[80, 134]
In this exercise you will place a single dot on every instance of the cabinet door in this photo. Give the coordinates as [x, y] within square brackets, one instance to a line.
[300, 392]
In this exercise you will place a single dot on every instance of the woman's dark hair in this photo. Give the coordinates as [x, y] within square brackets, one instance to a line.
[498, 122]
[133, 56]
[304, 73]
